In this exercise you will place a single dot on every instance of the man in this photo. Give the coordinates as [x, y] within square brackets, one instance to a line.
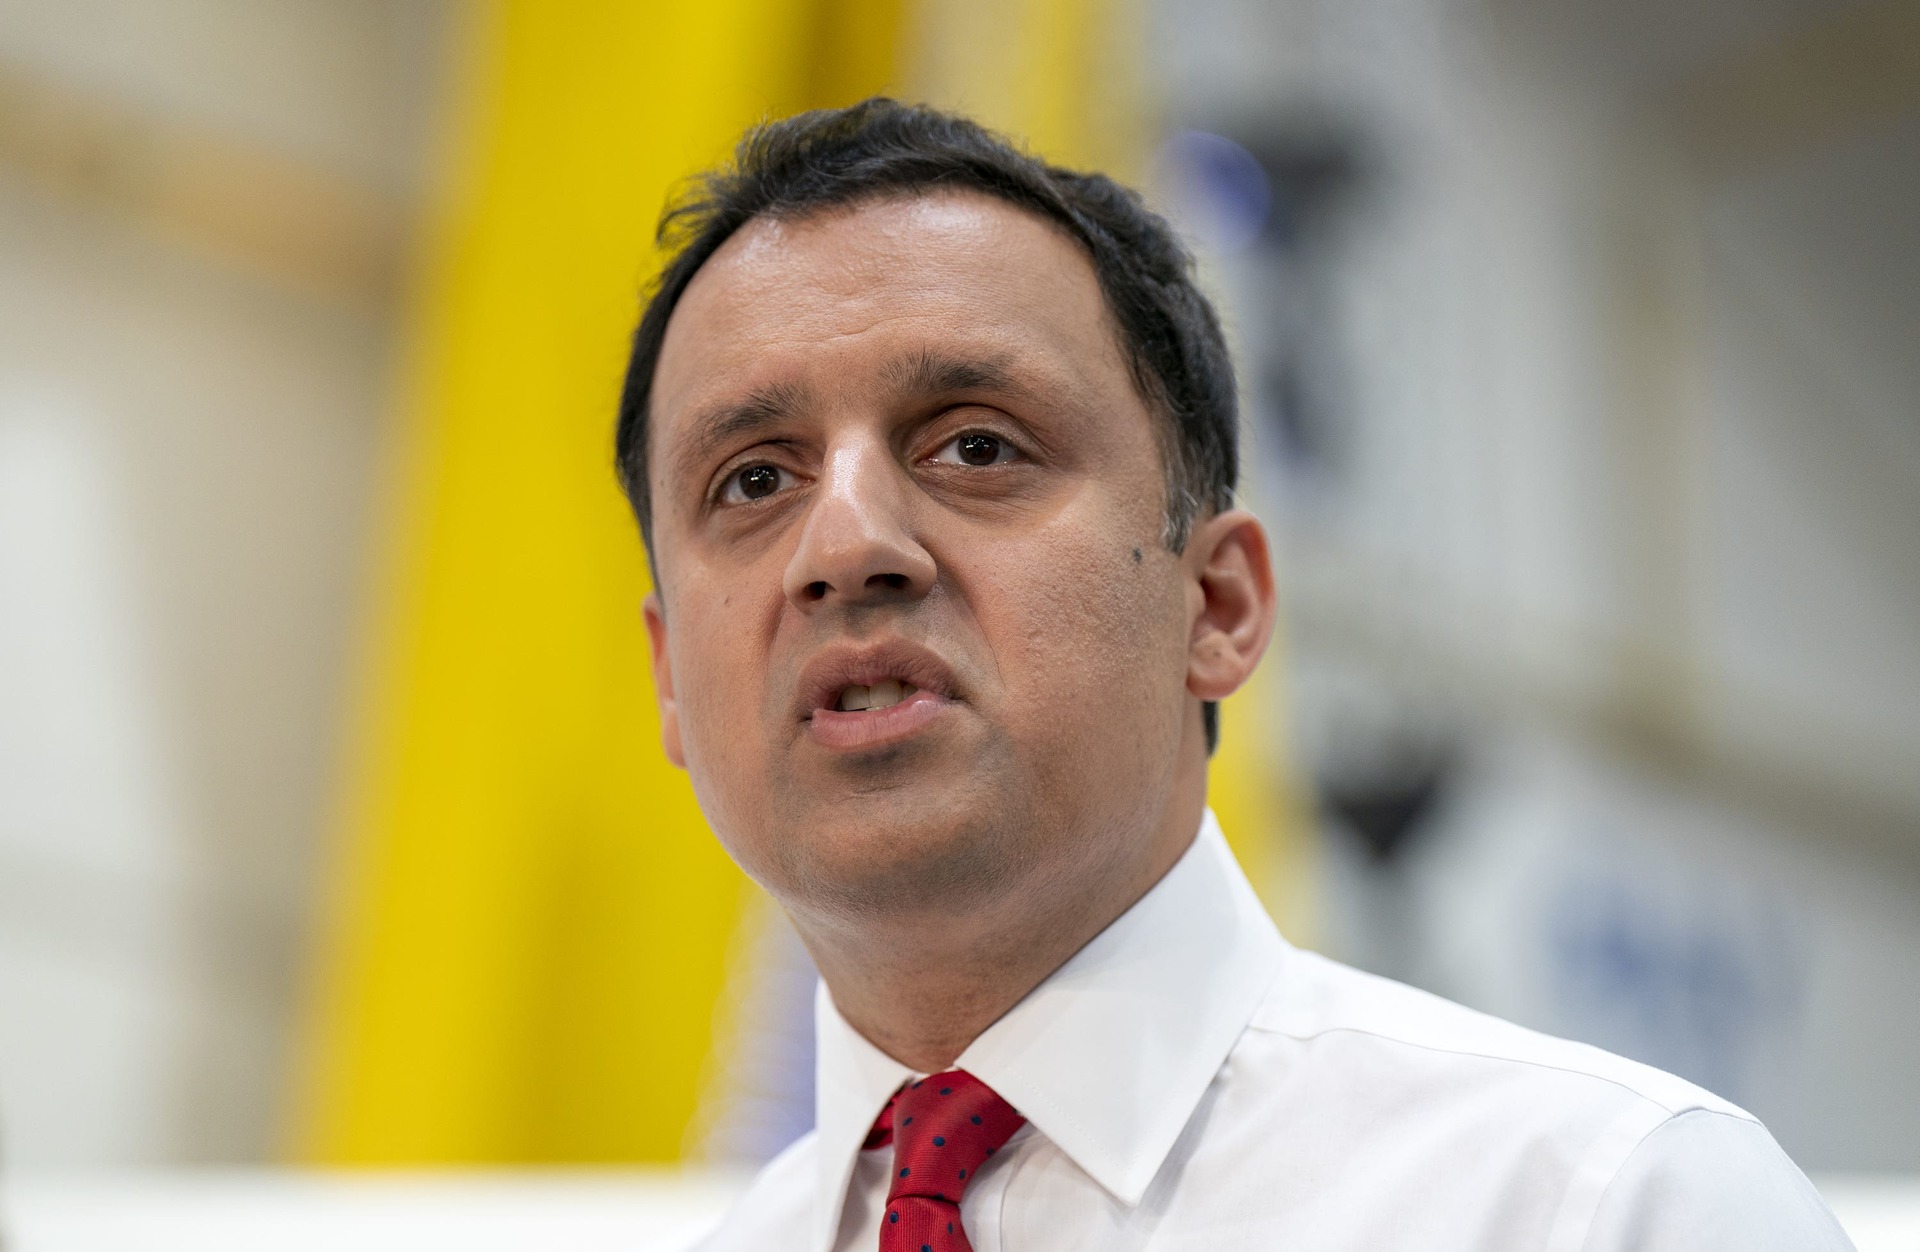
[933, 446]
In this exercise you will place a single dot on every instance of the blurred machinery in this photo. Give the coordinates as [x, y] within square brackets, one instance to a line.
[1577, 342]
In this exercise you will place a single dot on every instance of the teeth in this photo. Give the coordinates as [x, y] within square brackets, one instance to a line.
[881, 695]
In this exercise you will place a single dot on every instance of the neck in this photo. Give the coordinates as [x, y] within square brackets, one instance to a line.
[922, 989]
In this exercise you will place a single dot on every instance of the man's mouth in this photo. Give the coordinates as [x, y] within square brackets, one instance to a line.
[855, 698]
[876, 714]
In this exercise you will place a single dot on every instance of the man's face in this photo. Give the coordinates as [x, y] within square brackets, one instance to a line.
[918, 635]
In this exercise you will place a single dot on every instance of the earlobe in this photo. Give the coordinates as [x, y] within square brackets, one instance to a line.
[1237, 603]
[663, 679]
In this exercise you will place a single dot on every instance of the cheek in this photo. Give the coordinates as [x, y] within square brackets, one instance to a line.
[1089, 640]
[719, 679]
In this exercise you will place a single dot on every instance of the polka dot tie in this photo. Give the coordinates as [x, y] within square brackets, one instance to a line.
[942, 1128]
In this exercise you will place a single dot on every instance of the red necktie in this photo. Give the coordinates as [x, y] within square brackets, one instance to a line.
[941, 1128]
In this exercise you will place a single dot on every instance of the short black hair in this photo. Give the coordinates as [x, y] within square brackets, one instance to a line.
[879, 148]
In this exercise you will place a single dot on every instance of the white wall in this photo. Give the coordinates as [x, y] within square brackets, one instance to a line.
[186, 452]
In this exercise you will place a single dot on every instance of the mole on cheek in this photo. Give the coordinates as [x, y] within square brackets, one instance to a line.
[1136, 556]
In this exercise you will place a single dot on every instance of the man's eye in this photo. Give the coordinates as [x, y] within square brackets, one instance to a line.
[976, 449]
[754, 482]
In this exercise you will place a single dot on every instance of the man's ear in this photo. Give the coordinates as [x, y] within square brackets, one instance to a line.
[1233, 602]
[663, 679]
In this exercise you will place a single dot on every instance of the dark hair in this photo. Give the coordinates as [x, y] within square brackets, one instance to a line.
[836, 157]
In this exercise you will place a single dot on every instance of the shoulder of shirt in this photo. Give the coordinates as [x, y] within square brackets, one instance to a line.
[778, 1201]
[1315, 998]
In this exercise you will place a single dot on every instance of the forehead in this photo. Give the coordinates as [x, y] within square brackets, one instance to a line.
[828, 298]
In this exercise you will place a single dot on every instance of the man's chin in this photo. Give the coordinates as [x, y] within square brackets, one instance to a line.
[887, 853]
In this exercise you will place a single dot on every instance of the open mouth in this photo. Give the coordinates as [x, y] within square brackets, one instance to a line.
[874, 695]
[856, 698]
[873, 715]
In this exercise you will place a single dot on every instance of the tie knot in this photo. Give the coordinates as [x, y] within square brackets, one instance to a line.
[943, 1128]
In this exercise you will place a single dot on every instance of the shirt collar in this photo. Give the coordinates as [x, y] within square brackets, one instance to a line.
[1110, 1055]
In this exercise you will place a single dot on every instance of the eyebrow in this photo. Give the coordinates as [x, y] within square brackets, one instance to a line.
[727, 423]
[929, 372]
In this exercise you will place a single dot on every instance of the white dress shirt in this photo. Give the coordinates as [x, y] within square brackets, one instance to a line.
[1192, 1082]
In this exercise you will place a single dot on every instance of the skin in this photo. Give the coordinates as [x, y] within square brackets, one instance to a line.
[939, 859]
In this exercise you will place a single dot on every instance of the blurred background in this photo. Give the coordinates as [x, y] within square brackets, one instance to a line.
[1580, 344]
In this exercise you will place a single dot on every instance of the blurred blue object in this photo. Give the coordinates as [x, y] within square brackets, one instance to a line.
[1223, 191]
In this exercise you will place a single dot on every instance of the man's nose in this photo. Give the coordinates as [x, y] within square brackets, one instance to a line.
[857, 545]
